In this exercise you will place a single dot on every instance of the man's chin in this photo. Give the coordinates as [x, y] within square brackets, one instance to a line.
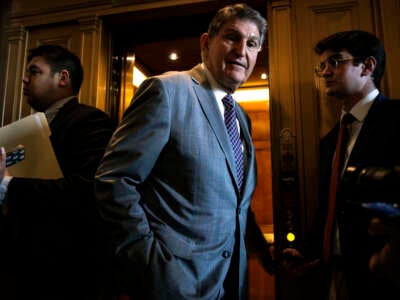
[31, 103]
[330, 92]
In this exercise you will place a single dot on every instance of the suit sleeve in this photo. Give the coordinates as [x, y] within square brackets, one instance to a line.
[257, 245]
[128, 161]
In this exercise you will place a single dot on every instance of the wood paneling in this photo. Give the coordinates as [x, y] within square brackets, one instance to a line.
[261, 284]
[258, 112]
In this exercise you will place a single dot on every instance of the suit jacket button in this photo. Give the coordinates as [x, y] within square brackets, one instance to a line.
[226, 254]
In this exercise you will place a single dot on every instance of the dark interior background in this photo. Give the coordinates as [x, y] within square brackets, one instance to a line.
[152, 34]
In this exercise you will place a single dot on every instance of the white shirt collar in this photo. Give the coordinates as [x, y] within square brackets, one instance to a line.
[360, 110]
[217, 90]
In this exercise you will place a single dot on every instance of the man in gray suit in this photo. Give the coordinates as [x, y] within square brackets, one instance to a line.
[168, 187]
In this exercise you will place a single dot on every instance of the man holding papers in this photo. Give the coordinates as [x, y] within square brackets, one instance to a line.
[51, 238]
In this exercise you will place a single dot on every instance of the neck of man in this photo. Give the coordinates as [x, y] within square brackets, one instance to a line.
[350, 100]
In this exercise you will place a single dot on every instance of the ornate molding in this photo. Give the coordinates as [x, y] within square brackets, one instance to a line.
[90, 23]
[333, 7]
[16, 33]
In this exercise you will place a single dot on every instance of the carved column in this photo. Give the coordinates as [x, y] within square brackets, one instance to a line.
[283, 108]
[92, 91]
[13, 106]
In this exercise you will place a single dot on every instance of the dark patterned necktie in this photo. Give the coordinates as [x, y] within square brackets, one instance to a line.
[337, 167]
[233, 132]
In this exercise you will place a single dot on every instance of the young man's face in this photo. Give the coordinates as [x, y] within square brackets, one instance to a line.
[342, 78]
[231, 55]
[40, 86]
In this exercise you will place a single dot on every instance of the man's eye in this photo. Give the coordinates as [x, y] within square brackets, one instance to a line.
[232, 37]
[32, 72]
[331, 61]
[252, 44]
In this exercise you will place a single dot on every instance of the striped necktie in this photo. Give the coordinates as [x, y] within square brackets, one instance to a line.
[233, 132]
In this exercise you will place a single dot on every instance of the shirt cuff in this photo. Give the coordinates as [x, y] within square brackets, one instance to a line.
[4, 188]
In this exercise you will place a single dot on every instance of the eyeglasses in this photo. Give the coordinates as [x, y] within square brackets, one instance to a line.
[332, 62]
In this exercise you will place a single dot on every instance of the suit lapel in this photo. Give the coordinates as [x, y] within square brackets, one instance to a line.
[247, 143]
[212, 113]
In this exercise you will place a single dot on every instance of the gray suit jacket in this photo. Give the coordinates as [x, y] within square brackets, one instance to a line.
[167, 189]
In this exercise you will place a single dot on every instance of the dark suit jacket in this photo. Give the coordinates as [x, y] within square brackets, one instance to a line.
[378, 145]
[167, 189]
[53, 224]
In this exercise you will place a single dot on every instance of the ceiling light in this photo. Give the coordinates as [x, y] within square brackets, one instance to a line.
[173, 56]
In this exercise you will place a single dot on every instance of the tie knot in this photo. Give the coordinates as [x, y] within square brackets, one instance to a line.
[348, 119]
[228, 101]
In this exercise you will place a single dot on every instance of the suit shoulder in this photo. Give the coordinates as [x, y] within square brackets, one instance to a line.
[80, 114]
[172, 76]
[170, 82]
[382, 99]
[390, 106]
[88, 111]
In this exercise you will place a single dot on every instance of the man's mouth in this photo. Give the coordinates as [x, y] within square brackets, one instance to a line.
[329, 83]
[236, 63]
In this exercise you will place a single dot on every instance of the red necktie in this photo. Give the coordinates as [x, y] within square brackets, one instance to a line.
[336, 171]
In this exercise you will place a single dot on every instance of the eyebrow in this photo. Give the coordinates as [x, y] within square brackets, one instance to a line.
[32, 67]
[335, 55]
[233, 30]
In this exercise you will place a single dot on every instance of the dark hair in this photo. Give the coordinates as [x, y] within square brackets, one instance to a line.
[360, 44]
[240, 11]
[60, 58]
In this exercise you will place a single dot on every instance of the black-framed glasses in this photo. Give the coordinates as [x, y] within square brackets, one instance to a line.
[332, 62]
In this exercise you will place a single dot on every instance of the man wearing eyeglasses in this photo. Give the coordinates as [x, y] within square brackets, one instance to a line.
[350, 67]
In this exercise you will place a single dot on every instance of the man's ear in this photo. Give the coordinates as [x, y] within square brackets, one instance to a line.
[64, 78]
[204, 41]
[369, 66]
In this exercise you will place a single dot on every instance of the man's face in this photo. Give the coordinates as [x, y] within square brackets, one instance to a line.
[231, 55]
[339, 76]
[40, 86]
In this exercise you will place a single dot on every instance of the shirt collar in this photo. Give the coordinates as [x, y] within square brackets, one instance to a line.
[360, 110]
[218, 91]
[52, 111]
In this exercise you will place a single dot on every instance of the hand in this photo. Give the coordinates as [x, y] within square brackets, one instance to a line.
[294, 262]
[267, 259]
[379, 229]
[385, 263]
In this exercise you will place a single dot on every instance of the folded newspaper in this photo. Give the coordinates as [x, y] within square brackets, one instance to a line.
[33, 133]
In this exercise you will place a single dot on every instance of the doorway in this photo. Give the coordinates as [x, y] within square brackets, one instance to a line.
[153, 36]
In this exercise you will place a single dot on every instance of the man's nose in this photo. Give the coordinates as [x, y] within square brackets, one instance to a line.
[241, 46]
